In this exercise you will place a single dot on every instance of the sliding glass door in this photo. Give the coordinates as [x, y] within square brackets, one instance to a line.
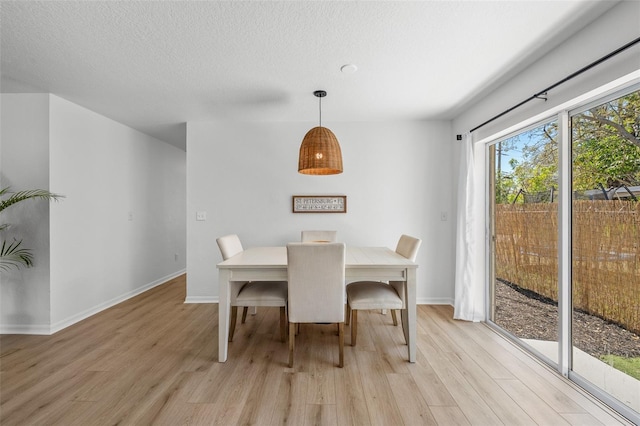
[525, 235]
[577, 307]
[605, 240]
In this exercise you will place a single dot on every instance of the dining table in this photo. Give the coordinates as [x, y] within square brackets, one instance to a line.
[361, 264]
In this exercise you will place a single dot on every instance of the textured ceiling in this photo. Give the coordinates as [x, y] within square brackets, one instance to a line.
[156, 65]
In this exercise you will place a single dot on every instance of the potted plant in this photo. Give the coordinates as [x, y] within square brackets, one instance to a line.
[12, 254]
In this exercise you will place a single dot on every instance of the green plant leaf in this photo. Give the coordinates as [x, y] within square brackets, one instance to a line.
[16, 197]
[13, 256]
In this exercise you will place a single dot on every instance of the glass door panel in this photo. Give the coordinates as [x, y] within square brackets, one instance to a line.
[606, 247]
[524, 254]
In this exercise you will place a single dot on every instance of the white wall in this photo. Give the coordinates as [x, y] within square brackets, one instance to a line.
[397, 179]
[24, 164]
[109, 174]
[123, 220]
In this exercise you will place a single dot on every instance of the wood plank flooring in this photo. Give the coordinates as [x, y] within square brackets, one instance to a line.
[153, 360]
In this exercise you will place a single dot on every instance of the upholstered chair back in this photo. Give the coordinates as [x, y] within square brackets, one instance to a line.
[229, 246]
[408, 247]
[319, 236]
[316, 282]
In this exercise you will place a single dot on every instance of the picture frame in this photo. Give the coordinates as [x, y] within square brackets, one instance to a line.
[319, 203]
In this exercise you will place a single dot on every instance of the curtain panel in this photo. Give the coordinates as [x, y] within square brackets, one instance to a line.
[469, 283]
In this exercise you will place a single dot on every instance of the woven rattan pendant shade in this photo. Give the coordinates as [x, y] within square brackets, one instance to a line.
[320, 152]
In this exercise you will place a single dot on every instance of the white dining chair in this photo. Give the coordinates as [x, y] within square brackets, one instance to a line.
[253, 293]
[365, 295]
[316, 288]
[319, 236]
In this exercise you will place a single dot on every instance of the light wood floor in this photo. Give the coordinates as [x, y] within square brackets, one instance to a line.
[153, 360]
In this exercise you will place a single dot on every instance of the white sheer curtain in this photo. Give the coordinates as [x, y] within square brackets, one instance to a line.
[469, 287]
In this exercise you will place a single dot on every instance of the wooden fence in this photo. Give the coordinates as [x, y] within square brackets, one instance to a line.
[605, 255]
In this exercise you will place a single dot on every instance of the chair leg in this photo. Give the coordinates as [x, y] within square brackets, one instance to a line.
[341, 343]
[244, 314]
[292, 337]
[395, 318]
[232, 324]
[354, 326]
[283, 324]
[347, 314]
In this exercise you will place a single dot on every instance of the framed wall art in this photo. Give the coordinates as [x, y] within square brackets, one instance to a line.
[319, 203]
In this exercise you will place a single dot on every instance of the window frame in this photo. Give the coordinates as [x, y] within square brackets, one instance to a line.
[563, 115]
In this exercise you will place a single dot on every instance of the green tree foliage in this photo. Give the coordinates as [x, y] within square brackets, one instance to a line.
[606, 144]
[605, 147]
[538, 170]
[535, 170]
[505, 186]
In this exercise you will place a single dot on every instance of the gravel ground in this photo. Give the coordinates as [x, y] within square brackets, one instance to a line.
[530, 316]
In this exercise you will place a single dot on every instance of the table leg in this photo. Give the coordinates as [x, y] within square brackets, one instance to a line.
[409, 318]
[223, 313]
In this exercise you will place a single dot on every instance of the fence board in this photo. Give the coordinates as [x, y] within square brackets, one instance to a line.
[605, 258]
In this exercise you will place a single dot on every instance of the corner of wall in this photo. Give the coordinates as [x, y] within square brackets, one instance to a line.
[25, 293]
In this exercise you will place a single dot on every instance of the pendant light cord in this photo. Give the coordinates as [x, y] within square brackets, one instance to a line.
[320, 94]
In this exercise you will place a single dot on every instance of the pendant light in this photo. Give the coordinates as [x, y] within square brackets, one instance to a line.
[320, 152]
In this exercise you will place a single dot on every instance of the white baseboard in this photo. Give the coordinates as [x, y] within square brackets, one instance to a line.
[435, 301]
[54, 328]
[201, 299]
[42, 329]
